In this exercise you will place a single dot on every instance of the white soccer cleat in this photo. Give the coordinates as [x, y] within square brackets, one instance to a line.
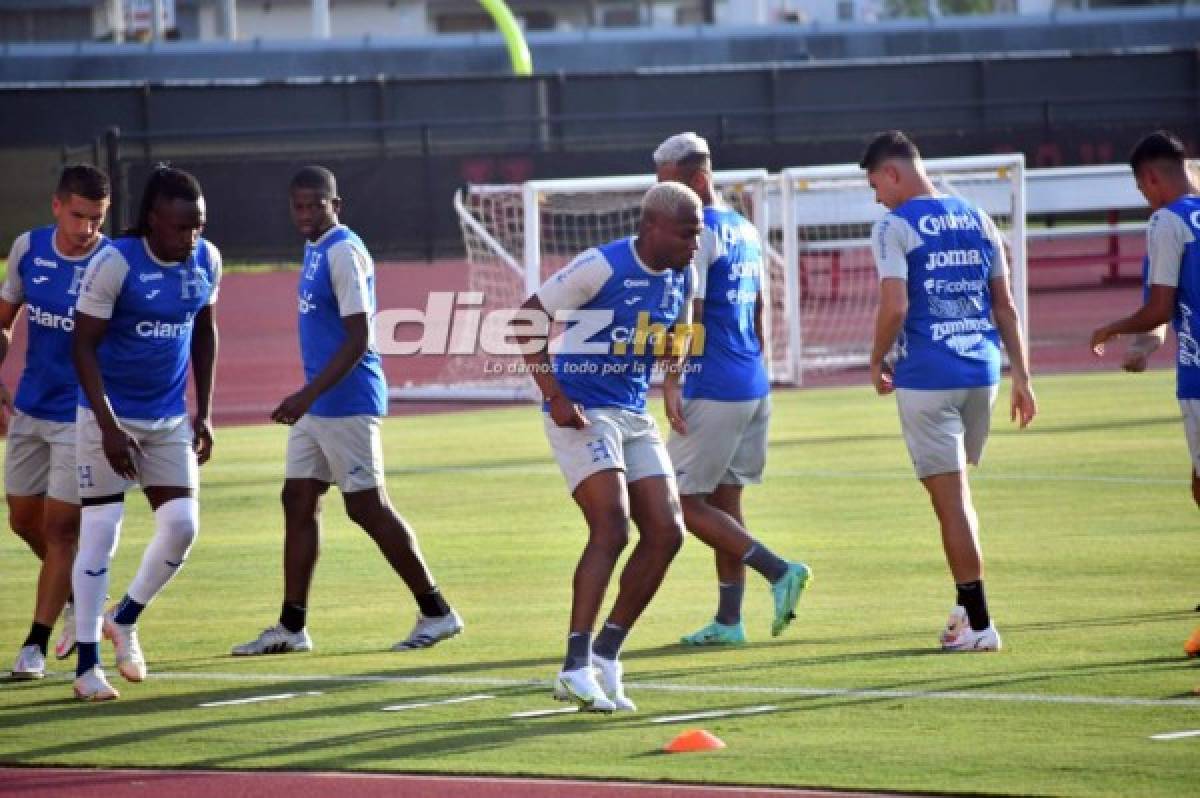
[130, 662]
[959, 636]
[93, 686]
[431, 631]
[580, 686]
[66, 639]
[30, 664]
[609, 673]
[275, 639]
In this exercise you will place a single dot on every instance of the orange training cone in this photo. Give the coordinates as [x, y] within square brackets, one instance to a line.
[694, 740]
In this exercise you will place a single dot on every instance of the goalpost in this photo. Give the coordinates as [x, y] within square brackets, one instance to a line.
[827, 213]
[516, 236]
[815, 223]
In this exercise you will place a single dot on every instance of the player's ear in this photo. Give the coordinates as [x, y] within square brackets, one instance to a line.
[336, 204]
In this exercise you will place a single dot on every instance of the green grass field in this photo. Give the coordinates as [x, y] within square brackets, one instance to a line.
[1088, 525]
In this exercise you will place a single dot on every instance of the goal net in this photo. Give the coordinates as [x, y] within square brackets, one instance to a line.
[516, 236]
[827, 212]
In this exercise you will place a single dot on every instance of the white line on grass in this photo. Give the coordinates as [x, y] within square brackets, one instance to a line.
[701, 689]
[716, 713]
[1176, 735]
[423, 704]
[258, 699]
[543, 713]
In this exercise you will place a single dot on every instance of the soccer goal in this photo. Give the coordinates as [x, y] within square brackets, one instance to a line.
[827, 212]
[516, 236]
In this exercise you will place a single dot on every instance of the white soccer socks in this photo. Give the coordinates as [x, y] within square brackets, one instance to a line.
[99, 529]
[176, 523]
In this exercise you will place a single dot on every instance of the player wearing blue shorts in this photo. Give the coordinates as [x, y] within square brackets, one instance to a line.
[719, 415]
[1173, 276]
[145, 311]
[622, 300]
[45, 270]
[945, 303]
[335, 422]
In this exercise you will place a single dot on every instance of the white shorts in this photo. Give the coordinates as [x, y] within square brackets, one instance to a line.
[945, 430]
[616, 438]
[726, 444]
[167, 458]
[40, 459]
[346, 451]
[1191, 428]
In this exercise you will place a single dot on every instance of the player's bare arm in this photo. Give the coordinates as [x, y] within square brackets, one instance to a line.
[119, 445]
[353, 347]
[563, 411]
[1157, 311]
[677, 351]
[204, 364]
[1023, 403]
[889, 319]
[8, 315]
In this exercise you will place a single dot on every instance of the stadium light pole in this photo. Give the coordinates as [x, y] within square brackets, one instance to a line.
[514, 37]
[320, 19]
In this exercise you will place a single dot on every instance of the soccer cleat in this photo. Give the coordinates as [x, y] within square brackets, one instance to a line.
[580, 686]
[93, 686]
[275, 639]
[1192, 646]
[609, 673]
[786, 593]
[717, 634]
[955, 625]
[959, 636]
[30, 664]
[130, 662]
[66, 639]
[431, 631]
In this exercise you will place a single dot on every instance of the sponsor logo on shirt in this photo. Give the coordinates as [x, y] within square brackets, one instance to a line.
[934, 286]
[741, 296]
[306, 304]
[39, 280]
[45, 263]
[146, 277]
[744, 269]
[933, 224]
[54, 321]
[953, 257]
[163, 329]
[942, 329]
[632, 283]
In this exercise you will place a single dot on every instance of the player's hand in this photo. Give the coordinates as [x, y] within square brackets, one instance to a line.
[292, 407]
[1023, 406]
[202, 440]
[6, 408]
[1099, 337]
[881, 378]
[120, 449]
[673, 404]
[566, 413]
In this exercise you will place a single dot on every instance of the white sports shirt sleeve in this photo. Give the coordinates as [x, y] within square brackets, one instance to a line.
[576, 284]
[214, 257]
[13, 289]
[892, 238]
[992, 233]
[707, 251]
[102, 283]
[1166, 236]
[349, 268]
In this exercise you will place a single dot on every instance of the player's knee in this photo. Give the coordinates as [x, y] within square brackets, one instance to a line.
[178, 521]
[609, 532]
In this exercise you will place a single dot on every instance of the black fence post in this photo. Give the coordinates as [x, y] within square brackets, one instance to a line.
[117, 177]
[427, 178]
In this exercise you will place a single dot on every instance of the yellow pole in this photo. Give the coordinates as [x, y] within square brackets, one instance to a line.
[514, 39]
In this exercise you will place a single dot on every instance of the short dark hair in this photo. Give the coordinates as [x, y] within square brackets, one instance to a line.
[315, 177]
[166, 182]
[83, 180]
[889, 144]
[1157, 146]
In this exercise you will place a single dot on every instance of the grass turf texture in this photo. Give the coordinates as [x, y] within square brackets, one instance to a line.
[1090, 581]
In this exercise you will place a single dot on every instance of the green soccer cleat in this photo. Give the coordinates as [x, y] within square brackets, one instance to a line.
[786, 593]
[717, 634]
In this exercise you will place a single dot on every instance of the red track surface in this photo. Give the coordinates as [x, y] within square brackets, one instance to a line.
[202, 784]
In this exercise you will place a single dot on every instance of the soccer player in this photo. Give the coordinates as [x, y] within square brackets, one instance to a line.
[45, 269]
[145, 310]
[719, 416]
[944, 294]
[1173, 275]
[335, 424]
[626, 294]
